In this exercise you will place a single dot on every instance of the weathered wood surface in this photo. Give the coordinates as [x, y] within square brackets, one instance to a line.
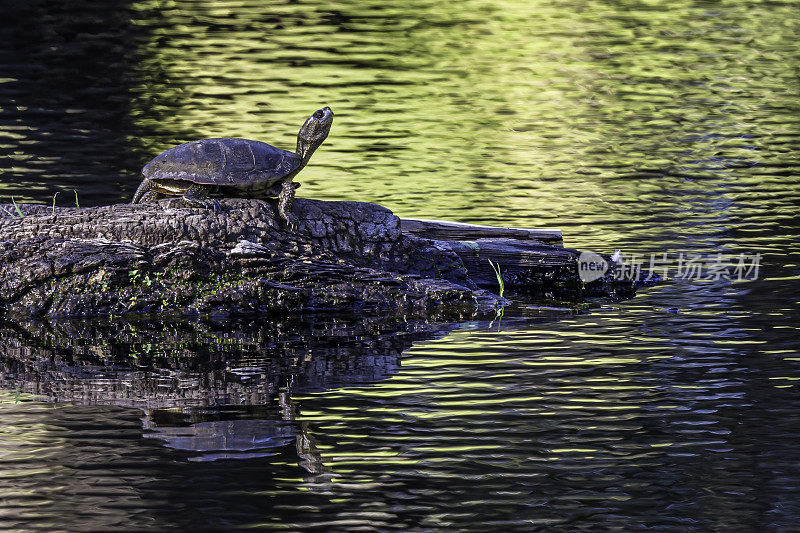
[166, 258]
[523, 266]
[457, 231]
[531, 260]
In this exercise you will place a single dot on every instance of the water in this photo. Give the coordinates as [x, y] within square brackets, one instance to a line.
[626, 124]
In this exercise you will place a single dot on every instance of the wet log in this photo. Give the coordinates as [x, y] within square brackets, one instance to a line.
[345, 256]
[531, 260]
[527, 258]
[523, 266]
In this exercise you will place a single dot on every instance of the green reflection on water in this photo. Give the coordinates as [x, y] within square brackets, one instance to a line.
[525, 113]
[622, 122]
[628, 123]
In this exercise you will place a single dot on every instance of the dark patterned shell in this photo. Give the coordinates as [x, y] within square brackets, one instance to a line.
[223, 162]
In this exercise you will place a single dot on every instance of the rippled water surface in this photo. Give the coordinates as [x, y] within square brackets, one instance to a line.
[628, 125]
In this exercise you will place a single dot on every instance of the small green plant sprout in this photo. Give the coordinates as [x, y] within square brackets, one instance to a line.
[19, 211]
[54, 202]
[499, 274]
[77, 204]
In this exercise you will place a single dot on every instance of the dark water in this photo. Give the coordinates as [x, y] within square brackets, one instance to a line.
[629, 125]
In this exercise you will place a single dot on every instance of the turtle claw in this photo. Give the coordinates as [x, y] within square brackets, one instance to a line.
[291, 223]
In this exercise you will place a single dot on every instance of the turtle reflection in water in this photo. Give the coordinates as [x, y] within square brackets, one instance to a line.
[233, 167]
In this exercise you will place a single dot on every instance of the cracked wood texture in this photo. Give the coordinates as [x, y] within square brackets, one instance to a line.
[168, 259]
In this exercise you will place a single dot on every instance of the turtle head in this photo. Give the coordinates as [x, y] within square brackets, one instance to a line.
[314, 132]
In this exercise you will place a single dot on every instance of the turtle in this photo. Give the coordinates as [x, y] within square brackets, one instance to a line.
[233, 167]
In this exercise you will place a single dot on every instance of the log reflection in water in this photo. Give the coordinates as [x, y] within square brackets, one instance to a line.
[220, 388]
[152, 365]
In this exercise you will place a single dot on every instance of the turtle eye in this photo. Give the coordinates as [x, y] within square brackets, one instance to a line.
[319, 114]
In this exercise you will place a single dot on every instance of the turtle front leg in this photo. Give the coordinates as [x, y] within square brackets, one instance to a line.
[285, 199]
[196, 196]
[145, 193]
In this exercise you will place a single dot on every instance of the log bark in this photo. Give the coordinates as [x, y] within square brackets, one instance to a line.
[168, 259]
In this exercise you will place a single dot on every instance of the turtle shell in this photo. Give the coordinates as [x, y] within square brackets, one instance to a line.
[224, 162]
